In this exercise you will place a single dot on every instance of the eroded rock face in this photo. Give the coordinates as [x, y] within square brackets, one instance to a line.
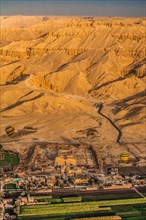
[105, 49]
[63, 66]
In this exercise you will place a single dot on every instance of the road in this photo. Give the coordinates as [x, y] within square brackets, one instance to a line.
[137, 191]
[100, 107]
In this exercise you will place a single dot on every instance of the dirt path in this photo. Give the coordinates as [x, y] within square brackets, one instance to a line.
[100, 107]
[139, 192]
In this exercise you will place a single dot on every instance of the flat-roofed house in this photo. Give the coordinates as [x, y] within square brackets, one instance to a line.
[60, 161]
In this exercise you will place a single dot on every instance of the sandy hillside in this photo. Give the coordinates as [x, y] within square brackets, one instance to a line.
[56, 72]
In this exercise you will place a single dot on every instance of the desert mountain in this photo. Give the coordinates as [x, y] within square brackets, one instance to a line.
[56, 72]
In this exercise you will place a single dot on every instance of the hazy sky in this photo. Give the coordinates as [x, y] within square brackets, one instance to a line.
[74, 7]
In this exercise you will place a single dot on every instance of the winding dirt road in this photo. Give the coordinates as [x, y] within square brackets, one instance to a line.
[99, 107]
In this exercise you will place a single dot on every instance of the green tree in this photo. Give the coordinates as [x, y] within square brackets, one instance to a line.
[1, 146]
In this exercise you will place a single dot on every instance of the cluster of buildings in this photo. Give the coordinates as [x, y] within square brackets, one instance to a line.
[114, 179]
[64, 166]
[1, 211]
[45, 184]
[71, 166]
[72, 177]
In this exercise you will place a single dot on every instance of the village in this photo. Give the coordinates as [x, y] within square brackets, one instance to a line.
[68, 178]
[67, 166]
[71, 169]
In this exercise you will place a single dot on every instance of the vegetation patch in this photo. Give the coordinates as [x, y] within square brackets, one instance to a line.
[50, 200]
[57, 200]
[9, 186]
[42, 197]
[121, 202]
[109, 197]
[135, 218]
[135, 211]
[72, 199]
[9, 160]
[78, 207]
[61, 208]
[100, 218]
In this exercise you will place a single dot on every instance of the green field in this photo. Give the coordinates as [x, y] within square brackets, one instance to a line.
[50, 200]
[100, 218]
[57, 200]
[135, 218]
[124, 208]
[1, 170]
[9, 160]
[121, 202]
[42, 197]
[65, 208]
[135, 211]
[109, 197]
[72, 199]
[9, 186]
[83, 198]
